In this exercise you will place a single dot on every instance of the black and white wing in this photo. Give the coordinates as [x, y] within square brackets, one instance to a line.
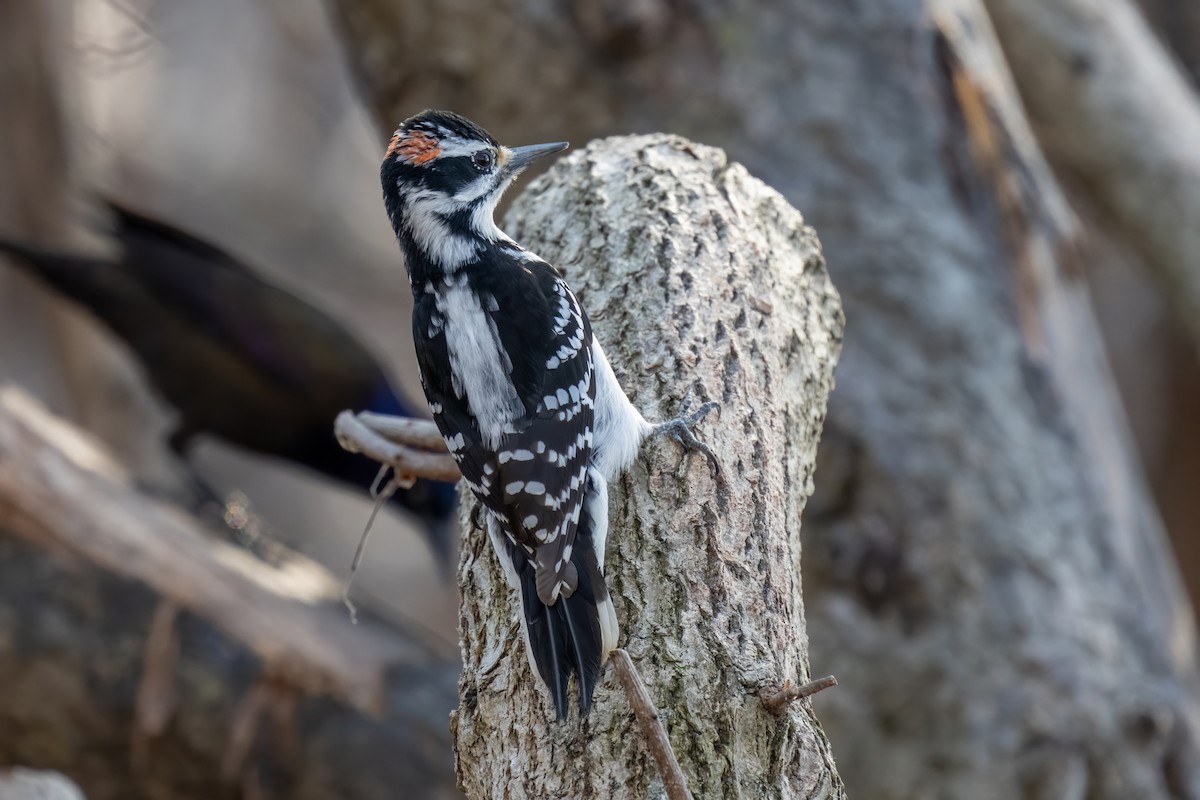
[547, 505]
[532, 477]
[540, 474]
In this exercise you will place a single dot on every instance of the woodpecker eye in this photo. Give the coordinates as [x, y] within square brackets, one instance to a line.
[483, 159]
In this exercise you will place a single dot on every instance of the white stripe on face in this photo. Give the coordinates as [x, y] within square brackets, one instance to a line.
[486, 182]
[424, 217]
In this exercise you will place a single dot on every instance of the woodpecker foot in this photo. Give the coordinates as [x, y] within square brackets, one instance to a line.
[680, 428]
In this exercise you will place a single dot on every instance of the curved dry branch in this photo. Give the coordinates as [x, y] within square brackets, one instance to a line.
[100, 583]
[413, 448]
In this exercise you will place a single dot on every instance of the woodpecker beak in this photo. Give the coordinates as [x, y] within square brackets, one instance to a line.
[519, 157]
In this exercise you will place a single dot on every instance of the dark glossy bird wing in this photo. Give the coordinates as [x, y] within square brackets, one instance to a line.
[541, 471]
[286, 338]
[132, 224]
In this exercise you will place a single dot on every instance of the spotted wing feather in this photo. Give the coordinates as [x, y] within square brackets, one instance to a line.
[534, 482]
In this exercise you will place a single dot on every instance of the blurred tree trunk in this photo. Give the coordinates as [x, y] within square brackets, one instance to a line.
[1117, 114]
[1178, 23]
[1121, 122]
[985, 571]
[51, 343]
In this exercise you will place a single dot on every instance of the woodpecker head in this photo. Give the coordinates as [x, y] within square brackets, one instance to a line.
[442, 177]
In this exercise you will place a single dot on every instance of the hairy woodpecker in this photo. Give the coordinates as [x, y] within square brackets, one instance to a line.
[527, 402]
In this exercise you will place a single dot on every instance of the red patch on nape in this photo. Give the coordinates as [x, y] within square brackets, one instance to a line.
[415, 147]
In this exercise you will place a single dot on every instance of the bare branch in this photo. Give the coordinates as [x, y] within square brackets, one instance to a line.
[674, 781]
[156, 694]
[402, 443]
[411, 448]
[776, 701]
[244, 729]
[405, 430]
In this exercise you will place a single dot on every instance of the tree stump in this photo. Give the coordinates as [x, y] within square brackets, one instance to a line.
[699, 278]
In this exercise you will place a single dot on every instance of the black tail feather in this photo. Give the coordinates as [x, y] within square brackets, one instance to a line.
[565, 638]
[582, 621]
[547, 638]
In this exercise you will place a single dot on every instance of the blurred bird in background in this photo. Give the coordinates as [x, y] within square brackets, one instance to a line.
[238, 358]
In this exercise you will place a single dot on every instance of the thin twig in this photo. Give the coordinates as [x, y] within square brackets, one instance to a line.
[410, 448]
[674, 781]
[406, 445]
[244, 729]
[381, 498]
[776, 701]
[156, 694]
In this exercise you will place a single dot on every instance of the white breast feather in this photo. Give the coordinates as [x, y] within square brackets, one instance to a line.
[480, 369]
[619, 427]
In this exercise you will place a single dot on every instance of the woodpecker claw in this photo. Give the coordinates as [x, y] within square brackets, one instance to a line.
[680, 429]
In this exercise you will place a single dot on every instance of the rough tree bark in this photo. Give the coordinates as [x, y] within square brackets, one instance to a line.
[697, 277]
[984, 570]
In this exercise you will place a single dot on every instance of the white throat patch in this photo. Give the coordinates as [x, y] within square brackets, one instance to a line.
[483, 219]
[424, 214]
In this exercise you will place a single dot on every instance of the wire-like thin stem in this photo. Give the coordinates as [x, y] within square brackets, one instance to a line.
[381, 498]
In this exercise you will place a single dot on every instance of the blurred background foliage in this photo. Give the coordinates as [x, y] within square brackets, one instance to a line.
[237, 122]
